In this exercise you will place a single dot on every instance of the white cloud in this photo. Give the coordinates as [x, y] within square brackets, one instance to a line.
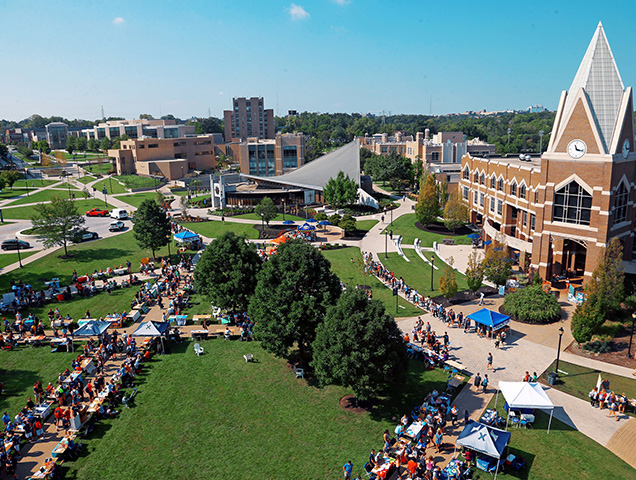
[297, 12]
[118, 21]
[342, 2]
[221, 93]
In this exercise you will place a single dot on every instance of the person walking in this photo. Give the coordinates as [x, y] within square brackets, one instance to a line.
[481, 298]
[347, 468]
[484, 383]
[477, 381]
[489, 365]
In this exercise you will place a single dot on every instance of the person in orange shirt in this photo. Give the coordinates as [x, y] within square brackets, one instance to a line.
[412, 468]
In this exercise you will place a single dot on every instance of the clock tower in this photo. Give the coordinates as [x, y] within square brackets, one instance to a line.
[588, 172]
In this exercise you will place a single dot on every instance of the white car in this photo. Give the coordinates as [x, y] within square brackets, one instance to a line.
[117, 226]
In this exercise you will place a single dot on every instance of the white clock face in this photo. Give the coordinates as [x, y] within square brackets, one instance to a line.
[577, 148]
[626, 146]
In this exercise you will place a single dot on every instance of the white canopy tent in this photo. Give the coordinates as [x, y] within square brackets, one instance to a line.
[520, 395]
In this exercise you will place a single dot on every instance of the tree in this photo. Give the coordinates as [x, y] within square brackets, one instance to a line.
[532, 305]
[359, 346]
[226, 272]
[474, 271]
[71, 141]
[348, 223]
[447, 282]
[146, 116]
[497, 264]
[105, 144]
[341, 191]
[81, 144]
[93, 145]
[9, 177]
[151, 226]
[608, 278]
[587, 319]
[455, 213]
[183, 203]
[294, 289]
[427, 207]
[266, 210]
[85, 192]
[56, 222]
[4, 151]
[160, 198]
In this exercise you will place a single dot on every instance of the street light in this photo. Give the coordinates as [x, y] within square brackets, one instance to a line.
[110, 183]
[262, 222]
[283, 210]
[169, 241]
[432, 263]
[559, 350]
[391, 215]
[631, 335]
[18, 245]
[68, 184]
[386, 234]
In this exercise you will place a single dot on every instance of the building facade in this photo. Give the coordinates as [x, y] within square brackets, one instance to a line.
[561, 210]
[138, 129]
[56, 133]
[172, 158]
[248, 119]
[268, 158]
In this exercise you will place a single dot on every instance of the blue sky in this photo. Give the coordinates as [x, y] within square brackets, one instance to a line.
[68, 58]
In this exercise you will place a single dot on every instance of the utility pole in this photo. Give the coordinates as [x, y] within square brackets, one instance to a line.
[540, 141]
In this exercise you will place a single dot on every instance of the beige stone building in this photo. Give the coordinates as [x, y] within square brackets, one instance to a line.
[268, 158]
[172, 158]
[559, 211]
[138, 129]
[248, 119]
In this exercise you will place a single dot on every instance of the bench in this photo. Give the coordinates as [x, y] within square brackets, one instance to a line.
[129, 399]
[300, 373]
[248, 358]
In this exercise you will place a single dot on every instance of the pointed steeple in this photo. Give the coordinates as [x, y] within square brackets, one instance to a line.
[598, 76]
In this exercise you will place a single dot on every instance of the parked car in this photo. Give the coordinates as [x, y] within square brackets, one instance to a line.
[14, 244]
[83, 236]
[97, 212]
[117, 226]
[119, 214]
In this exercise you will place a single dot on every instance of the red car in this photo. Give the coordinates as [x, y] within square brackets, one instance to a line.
[96, 212]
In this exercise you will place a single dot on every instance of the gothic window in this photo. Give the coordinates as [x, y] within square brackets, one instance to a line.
[522, 191]
[500, 185]
[620, 203]
[513, 189]
[572, 204]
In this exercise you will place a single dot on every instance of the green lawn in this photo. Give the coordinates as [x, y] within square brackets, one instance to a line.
[99, 168]
[580, 380]
[405, 226]
[352, 273]
[216, 416]
[563, 453]
[112, 185]
[217, 228]
[135, 181]
[26, 213]
[7, 193]
[21, 368]
[43, 196]
[10, 258]
[136, 199]
[278, 218]
[417, 273]
[34, 183]
[81, 155]
[366, 225]
[86, 179]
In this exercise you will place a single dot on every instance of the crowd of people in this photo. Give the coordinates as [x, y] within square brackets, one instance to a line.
[603, 397]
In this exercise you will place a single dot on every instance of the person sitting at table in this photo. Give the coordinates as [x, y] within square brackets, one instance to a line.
[468, 455]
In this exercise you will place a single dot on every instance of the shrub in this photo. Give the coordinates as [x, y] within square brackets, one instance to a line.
[532, 305]
[598, 346]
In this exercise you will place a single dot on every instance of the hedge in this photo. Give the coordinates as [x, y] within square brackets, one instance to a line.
[532, 305]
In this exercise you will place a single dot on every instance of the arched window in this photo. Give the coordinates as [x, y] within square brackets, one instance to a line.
[492, 182]
[467, 173]
[522, 191]
[572, 204]
[500, 185]
[620, 203]
[513, 189]
[482, 179]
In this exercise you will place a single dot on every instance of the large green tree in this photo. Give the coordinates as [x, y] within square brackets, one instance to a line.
[497, 263]
[474, 271]
[427, 208]
[81, 144]
[341, 191]
[226, 272]
[359, 346]
[294, 289]
[266, 210]
[151, 226]
[447, 283]
[455, 213]
[9, 177]
[71, 143]
[56, 222]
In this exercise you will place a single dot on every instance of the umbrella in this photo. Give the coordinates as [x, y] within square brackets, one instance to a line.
[474, 236]
[288, 222]
[312, 220]
[324, 222]
[306, 226]
[487, 242]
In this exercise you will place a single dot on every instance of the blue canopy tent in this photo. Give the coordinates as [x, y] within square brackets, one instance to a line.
[474, 236]
[186, 236]
[94, 328]
[312, 220]
[324, 222]
[288, 222]
[484, 439]
[306, 227]
[491, 319]
[152, 329]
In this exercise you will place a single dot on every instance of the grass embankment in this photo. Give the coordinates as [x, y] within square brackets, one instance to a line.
[405, 226]
[26, 213]
[44, 196]
[134, 181]
[257, 419]
[136, 199]
[278, 218]
[86, 179]
[11, 258]
[366, 225]
[563, 453]
[111, 185]
[216, 228]
[348, 265]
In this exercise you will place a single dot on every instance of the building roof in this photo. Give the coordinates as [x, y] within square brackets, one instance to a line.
[598, 76]
[315, 175]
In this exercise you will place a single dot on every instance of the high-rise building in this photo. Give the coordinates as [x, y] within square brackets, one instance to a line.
[559, 212]
[248, 119]
[56, 133]
[268, 158]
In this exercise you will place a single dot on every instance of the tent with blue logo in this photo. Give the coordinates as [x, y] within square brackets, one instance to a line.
[494, 320]
[94, 328]
[486, 440]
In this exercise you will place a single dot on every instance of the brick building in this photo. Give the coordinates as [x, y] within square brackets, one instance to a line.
[560, 210]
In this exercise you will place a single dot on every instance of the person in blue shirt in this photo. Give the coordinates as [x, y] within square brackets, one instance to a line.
[6, 419]
[348, 468]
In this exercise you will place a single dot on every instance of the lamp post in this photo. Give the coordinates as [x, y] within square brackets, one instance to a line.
[391, 216]
[262, 222]
[540, 141]
[631, 335]
[386, 234]
[283, 210]
[110, 183]
[68, 184]
[18, 246]
[169, 241]
[432, 262]
[559, 350]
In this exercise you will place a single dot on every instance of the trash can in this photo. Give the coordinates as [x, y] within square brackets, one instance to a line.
[552, 376]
